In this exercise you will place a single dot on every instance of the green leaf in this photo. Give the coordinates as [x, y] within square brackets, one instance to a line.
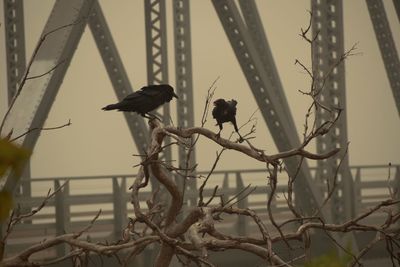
[330, 259]
[12, 156]
[6, 204]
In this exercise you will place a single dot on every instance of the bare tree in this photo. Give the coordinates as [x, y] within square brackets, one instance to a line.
[190, 234]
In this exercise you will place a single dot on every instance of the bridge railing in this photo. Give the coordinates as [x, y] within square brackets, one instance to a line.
[82, 197]
[372, 184]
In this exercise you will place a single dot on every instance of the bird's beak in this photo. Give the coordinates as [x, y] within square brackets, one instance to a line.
[174, 95]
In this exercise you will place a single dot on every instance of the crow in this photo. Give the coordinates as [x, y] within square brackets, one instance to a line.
[147, 99]
[225, 111]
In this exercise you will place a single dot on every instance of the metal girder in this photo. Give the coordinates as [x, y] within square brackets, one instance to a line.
[16, 61]
[386, 45]
[117, 74]
[156, 51]
[184, 83]
[260, 41]
[275, 114]
[396, 4]
[34, 102]
[15, 43]
[156, 41]
[328, 47]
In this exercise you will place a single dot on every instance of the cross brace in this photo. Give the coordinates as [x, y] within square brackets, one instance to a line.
[34, 102]
[386, 45]
[117, 74]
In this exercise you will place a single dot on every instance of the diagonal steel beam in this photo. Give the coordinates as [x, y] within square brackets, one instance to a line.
[386, 44]
[35, 100]
[396, 4]
[275, 114]
[117, 74]
[257, 33]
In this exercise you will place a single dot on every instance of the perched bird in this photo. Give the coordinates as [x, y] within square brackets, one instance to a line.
[147, 99]
[225, 111]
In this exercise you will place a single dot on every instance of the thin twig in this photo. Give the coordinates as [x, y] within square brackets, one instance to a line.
[41, 129]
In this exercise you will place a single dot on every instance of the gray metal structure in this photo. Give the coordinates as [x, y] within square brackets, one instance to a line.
[269, 97]
[117, 74]
[157, 53]
[15, 43]
[184, 84]
[16, 61]
[260, 41]
[386, 44]
[396, 4]
[249, 42]
[327, 22]
[32, 106]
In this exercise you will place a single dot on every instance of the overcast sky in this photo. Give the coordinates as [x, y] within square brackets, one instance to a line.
[99, 142]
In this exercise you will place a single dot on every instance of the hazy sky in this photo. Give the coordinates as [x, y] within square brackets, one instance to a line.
[99, 142]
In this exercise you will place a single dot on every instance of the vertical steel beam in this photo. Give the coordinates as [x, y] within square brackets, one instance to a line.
[275, 114]
[119, 206]
[16, 60]
[328, 47]
[62, 214]
[184, 83]
[156, 51]
[15, 43]
[386, 45]
[117, 74]
[33, 104]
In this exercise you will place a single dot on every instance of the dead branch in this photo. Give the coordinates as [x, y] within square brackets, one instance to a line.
[254, 153]
[41, 129]
[16, 218]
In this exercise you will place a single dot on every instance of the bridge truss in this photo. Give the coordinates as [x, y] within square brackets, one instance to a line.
[244, 30]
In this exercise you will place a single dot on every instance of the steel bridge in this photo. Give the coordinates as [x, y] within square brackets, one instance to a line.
[242, 25]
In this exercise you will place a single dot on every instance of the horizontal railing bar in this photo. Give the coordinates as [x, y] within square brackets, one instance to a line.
[41, 179]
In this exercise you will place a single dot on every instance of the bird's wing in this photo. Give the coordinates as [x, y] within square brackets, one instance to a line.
[133, 96]
[153, 90]
[136, 101]
[232, 107]
[149, 91]
[232, 102]
[215, 112]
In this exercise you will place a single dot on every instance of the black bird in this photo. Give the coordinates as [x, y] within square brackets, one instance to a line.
[225, 111]
[147, 99]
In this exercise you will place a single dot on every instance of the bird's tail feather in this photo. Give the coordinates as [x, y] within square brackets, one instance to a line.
[110, 107]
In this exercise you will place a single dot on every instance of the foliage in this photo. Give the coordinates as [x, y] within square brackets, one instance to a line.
[6, 204]
[331, 259]
[12, 158]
